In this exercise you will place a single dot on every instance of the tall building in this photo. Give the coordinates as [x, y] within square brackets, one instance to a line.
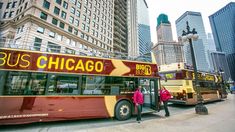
[164, 31]
[211, 42]
[211, 46]
[223, 29]
[201, 45]
[219, 62]
[133, 47]
[120, 36]
[167, 51]
[74, 26]
[144, 36]
[125, 28]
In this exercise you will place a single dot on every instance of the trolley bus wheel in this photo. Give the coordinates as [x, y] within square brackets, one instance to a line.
[123, 110]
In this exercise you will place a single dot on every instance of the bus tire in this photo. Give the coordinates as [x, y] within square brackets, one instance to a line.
[123, 110]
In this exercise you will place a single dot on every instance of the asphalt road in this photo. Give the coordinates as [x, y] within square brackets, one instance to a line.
[85, 125]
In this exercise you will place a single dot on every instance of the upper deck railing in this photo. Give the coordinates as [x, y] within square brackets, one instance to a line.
[55, 48]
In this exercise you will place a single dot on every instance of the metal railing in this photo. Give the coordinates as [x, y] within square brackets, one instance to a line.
[37, 46]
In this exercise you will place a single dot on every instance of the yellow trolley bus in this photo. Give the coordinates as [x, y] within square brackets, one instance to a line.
[180, 82]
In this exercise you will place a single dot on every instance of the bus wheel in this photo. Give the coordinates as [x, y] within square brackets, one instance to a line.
[123, 110]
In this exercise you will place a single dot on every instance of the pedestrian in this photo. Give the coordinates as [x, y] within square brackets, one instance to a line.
[138, 101]
[164, 97]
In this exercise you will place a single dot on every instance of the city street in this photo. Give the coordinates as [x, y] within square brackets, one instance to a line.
[183, 119]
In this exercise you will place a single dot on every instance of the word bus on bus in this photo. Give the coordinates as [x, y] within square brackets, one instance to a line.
[40, 86]
[181, 83]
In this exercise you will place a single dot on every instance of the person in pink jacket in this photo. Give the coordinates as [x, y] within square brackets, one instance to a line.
[164, 97]
[138, 101]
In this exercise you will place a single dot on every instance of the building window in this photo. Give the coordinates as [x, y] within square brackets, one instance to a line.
[54, 21]
[76, 22]
[5, 14]
[43, 16]
[73, 1]
[88, 20]
[78, 13]
[54, 48]
[37, 44]
[8, 5]
[75, 31]
[61, 25]
[78, 5]
[22, 29]
[93, 24]
[70, 29]
[82, 35]
[25, 5]
[85, 2]
[87, 28]
[84, 18]
[1, 5]
[40, 30]
[58, 1]
[59, 37]
[52, 34]
[63, 15]
[11, 14]
[69, 51]
[71, 19]
[72, 10]
[46, 4]
[56, 10]
[89, 12]
[83, 26]
[85, 9]
[13, 5]
[65, 5]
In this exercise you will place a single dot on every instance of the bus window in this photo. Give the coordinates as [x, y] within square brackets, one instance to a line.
[15, 83]
[2, 80]
[63, 85]
[37, 83]
[94, 85]
[21, 83]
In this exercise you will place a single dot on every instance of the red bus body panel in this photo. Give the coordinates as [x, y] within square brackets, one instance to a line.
[16, 110]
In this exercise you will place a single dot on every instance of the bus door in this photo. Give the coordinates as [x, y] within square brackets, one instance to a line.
[149, 90]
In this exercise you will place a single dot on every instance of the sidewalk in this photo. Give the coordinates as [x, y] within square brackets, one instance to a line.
[221, 118]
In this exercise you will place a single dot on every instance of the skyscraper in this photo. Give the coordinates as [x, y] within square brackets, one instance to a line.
[164, 31]
[74, 26]
[211, 42]
[144, 41]
[223, 29]
[219, 62]
[201, 45]
[125, 28]
[167, 51]
[120, 36]
[133, 47]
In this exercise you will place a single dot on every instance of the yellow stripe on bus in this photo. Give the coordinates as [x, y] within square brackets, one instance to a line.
[120, 68]
[110, 102]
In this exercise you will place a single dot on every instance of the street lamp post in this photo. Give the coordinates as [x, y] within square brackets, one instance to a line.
[190, 36]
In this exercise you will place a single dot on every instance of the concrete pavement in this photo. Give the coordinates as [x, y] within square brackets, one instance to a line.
[221, 118]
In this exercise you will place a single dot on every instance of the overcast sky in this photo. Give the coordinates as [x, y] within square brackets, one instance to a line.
[175, 8]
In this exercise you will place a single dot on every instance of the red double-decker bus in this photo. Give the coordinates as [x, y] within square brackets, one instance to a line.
[41, 87]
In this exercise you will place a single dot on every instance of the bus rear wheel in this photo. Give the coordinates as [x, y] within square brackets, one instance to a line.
[123, 110]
